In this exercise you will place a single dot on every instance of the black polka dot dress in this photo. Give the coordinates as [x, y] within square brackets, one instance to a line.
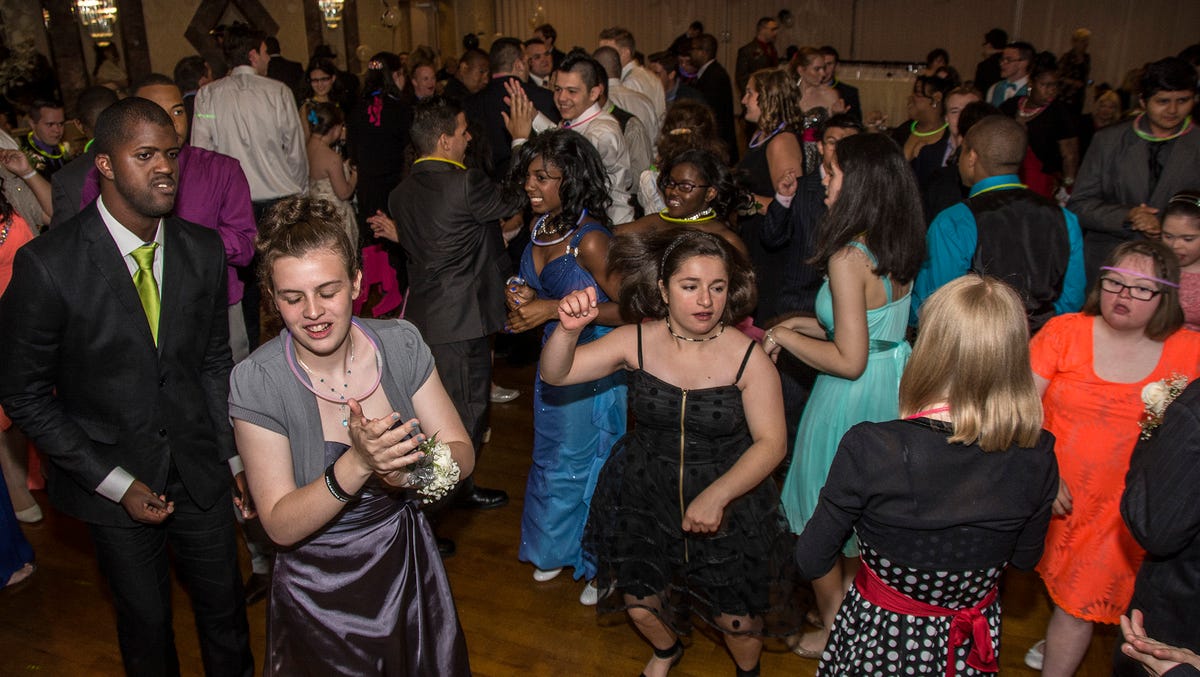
[869, 640]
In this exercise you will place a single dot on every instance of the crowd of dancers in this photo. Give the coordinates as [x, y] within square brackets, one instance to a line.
[892, 362]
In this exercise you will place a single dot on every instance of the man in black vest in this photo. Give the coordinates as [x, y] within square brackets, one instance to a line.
[1005, 230]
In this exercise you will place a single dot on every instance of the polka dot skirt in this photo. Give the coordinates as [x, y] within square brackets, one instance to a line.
[868, 640]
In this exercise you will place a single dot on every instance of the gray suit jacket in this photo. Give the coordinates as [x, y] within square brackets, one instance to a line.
[1115, 177]
[446, 219]
[82, 376]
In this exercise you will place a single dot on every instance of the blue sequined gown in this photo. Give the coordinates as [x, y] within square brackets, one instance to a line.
[574, 428]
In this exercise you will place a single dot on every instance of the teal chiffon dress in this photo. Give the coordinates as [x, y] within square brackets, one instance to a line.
[837, 404]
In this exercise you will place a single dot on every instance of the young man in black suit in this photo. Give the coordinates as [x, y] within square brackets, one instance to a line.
[124, 388]
[447, 219]
[713, 83]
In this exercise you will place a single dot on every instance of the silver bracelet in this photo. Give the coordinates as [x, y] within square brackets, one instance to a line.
[30, 175]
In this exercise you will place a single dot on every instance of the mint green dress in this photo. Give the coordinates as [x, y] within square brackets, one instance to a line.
[837, 404]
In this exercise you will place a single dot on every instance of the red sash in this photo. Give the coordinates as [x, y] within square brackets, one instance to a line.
[966, 624]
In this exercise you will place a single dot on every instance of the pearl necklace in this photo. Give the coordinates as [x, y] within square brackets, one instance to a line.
[695, 340]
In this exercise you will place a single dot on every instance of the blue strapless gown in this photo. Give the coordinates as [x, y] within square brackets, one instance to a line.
[837, 404]
[574, 428]
[15, 551]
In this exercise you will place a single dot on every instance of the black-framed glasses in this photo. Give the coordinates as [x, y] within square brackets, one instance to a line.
[685, 187]
[318, 81]
[1111, 286]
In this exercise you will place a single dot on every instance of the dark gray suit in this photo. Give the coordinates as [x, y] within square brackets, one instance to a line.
[447, 222]
[66, 187]
[1114, 177]
[82, 376]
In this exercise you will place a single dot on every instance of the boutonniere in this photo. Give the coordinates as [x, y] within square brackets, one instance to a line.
[1157, 396]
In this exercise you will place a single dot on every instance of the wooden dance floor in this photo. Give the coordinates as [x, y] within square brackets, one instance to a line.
[62, 622]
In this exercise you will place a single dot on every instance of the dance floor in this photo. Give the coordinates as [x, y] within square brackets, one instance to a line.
[62, 623]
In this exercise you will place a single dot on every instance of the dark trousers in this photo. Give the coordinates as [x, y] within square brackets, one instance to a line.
[134, 560]
[465, 368]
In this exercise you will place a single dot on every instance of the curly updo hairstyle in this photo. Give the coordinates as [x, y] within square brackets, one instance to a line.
[298, 225]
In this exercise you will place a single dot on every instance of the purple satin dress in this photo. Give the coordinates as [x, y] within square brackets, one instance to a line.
[366, 595]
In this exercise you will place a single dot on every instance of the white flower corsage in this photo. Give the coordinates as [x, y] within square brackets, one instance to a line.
[1157, 396]
[435, 475]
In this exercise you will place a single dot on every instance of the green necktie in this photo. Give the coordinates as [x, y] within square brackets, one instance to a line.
[146, 285]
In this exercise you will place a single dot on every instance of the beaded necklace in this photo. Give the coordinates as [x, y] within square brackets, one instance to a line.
[4, 231]
[341, 400]
[539, 230]
[695, 340]
[706, 214]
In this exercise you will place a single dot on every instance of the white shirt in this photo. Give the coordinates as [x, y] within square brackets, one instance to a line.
[604, 132]
[254, 119]
[637, 103]
[643, 81]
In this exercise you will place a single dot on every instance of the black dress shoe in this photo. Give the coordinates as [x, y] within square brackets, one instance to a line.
[256, 587]
[479, 498]
[446, 547]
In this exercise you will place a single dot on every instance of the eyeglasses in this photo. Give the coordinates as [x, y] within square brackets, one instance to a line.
[685, 187]
[1111, 286]
[319, 81]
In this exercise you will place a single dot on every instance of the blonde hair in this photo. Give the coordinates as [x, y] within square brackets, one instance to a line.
[973, 352]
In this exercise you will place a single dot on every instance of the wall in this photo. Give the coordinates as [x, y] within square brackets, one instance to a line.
[1124, 33]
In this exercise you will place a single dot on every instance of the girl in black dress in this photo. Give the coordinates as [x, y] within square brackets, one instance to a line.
[685, 518]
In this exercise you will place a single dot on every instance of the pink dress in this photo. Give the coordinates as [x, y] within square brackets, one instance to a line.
[1189, 299]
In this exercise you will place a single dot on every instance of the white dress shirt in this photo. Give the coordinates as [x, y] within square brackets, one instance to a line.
[254, 119]
[641, 80]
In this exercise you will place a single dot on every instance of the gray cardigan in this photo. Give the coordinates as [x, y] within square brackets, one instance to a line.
[265, 391]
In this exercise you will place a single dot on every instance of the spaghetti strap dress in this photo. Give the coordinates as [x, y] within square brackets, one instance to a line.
[682, 442]
[837, 404]
[574, 428]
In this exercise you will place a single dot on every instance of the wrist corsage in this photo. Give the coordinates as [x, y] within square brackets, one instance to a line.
[1157, 396]
[436, 474]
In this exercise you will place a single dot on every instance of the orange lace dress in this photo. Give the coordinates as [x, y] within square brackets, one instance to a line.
[1091, 559]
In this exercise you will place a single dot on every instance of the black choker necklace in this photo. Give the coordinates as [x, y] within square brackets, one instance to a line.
[695, 340]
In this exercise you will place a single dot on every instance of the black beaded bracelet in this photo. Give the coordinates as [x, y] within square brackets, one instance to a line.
[336, 489]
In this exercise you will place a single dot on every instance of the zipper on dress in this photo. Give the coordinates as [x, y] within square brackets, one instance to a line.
[682, 417]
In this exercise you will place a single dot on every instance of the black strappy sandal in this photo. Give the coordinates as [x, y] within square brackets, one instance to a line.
[673, 654]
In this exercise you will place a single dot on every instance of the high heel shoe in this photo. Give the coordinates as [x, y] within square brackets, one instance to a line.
[673, 654]
[543, 575]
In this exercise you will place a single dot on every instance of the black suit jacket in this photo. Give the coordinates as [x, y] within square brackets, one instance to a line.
[81, 375]
[714, 85]
[447, 222]
[66, 187]
[849, 94]
[290, 73]
[484, 107]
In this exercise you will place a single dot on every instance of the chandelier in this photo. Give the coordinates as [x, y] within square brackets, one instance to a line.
[331, 11]
[99, 17]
